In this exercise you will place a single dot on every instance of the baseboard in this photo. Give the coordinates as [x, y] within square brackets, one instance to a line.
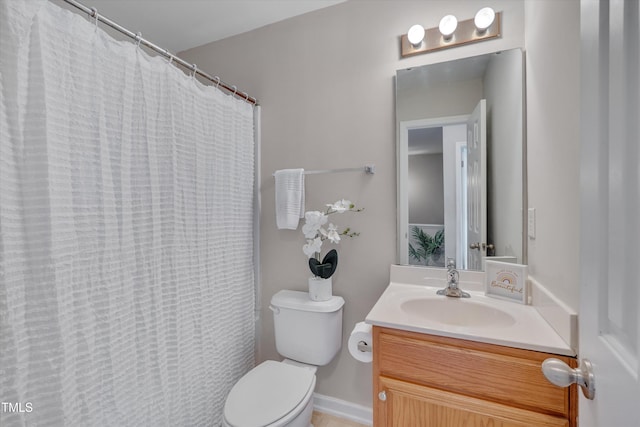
[343, 409]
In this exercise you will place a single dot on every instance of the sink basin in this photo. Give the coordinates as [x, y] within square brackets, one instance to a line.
[410, 303]
[456, 312]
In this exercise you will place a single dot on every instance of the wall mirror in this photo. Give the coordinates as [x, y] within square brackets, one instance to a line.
[461, 161]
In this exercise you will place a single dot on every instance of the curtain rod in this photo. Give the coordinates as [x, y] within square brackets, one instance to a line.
[93, 12]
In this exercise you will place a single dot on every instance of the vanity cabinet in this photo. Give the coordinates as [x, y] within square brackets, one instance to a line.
[432, 381]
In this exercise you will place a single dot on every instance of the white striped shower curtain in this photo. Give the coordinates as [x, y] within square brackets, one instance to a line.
[126, 230]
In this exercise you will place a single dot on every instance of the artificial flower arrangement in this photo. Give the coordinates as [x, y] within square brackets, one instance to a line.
[316, 234]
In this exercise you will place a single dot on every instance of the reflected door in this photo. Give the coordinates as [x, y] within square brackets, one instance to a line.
[610, 211]
[476, 185]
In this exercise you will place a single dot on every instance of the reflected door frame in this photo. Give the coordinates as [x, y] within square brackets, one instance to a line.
[402, 165]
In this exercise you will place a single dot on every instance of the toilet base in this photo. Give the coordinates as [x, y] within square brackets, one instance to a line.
[304, 419]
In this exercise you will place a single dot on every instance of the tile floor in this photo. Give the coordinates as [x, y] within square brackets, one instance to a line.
[325, 420]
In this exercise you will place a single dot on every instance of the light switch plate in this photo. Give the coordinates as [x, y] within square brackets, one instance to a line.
[531, 223]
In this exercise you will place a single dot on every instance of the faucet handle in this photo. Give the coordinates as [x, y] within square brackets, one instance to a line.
[451, 263]
[452, 277]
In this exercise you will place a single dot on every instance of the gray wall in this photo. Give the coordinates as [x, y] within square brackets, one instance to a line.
[553, 144]
[503, 92]
[327, 94]
[426, 189]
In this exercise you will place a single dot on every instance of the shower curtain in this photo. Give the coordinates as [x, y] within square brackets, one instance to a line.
[126, 229]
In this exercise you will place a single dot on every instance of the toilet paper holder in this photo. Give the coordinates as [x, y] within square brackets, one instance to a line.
[364, 347]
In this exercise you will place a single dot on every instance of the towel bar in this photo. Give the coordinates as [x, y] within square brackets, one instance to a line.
[369, 169]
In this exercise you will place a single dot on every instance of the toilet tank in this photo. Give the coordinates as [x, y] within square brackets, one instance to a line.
[307, 331]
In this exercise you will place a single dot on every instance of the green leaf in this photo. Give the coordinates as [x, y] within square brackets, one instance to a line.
[428, 246]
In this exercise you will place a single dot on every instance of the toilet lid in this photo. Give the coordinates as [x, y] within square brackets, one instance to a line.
[267, 393]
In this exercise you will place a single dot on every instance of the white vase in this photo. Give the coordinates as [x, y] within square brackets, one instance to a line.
[320, 289]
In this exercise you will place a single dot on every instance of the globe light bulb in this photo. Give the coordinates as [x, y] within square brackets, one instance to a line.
[448, 25]
[416, 35]
[484, 18]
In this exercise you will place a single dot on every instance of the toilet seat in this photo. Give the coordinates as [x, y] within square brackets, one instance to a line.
[272, 392]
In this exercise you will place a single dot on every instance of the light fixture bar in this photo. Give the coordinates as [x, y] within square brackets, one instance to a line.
[465, 33]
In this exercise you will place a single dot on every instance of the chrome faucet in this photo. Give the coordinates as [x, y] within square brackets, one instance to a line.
[452, 289]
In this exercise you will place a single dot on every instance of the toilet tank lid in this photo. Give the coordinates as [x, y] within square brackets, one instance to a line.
[297, 300]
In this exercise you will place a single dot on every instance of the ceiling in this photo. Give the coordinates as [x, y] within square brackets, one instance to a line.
[178, 25]
[457, 70]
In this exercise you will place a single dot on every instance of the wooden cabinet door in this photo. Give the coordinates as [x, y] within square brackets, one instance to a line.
[411, 405]
[498, 374]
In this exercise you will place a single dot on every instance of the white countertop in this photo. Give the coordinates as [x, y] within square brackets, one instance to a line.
[529, 330]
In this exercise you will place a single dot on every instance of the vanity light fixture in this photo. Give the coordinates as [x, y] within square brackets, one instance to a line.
[416, 35]
[450, 33]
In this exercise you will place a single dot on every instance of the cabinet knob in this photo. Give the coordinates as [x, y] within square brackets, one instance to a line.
[382, 396]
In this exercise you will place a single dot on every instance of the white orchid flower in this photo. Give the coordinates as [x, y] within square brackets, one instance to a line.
[332, 234]
[313, 221]
[310, 231]
[312, 246]
[316, 232]
[340, 206]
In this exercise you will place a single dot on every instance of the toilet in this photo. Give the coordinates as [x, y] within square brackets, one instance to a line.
[276, 394]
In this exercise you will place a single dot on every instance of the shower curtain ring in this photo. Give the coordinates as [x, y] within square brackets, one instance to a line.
[94, 14]
[246, 95]
[217, 81]
[235, 90]
[194, 67]
[138, 38]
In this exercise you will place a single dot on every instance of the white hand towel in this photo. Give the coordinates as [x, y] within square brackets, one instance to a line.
[289, 198]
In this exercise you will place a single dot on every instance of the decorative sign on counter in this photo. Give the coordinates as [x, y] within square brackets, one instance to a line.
[507, 281]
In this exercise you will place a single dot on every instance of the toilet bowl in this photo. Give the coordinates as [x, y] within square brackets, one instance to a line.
[278, 394]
